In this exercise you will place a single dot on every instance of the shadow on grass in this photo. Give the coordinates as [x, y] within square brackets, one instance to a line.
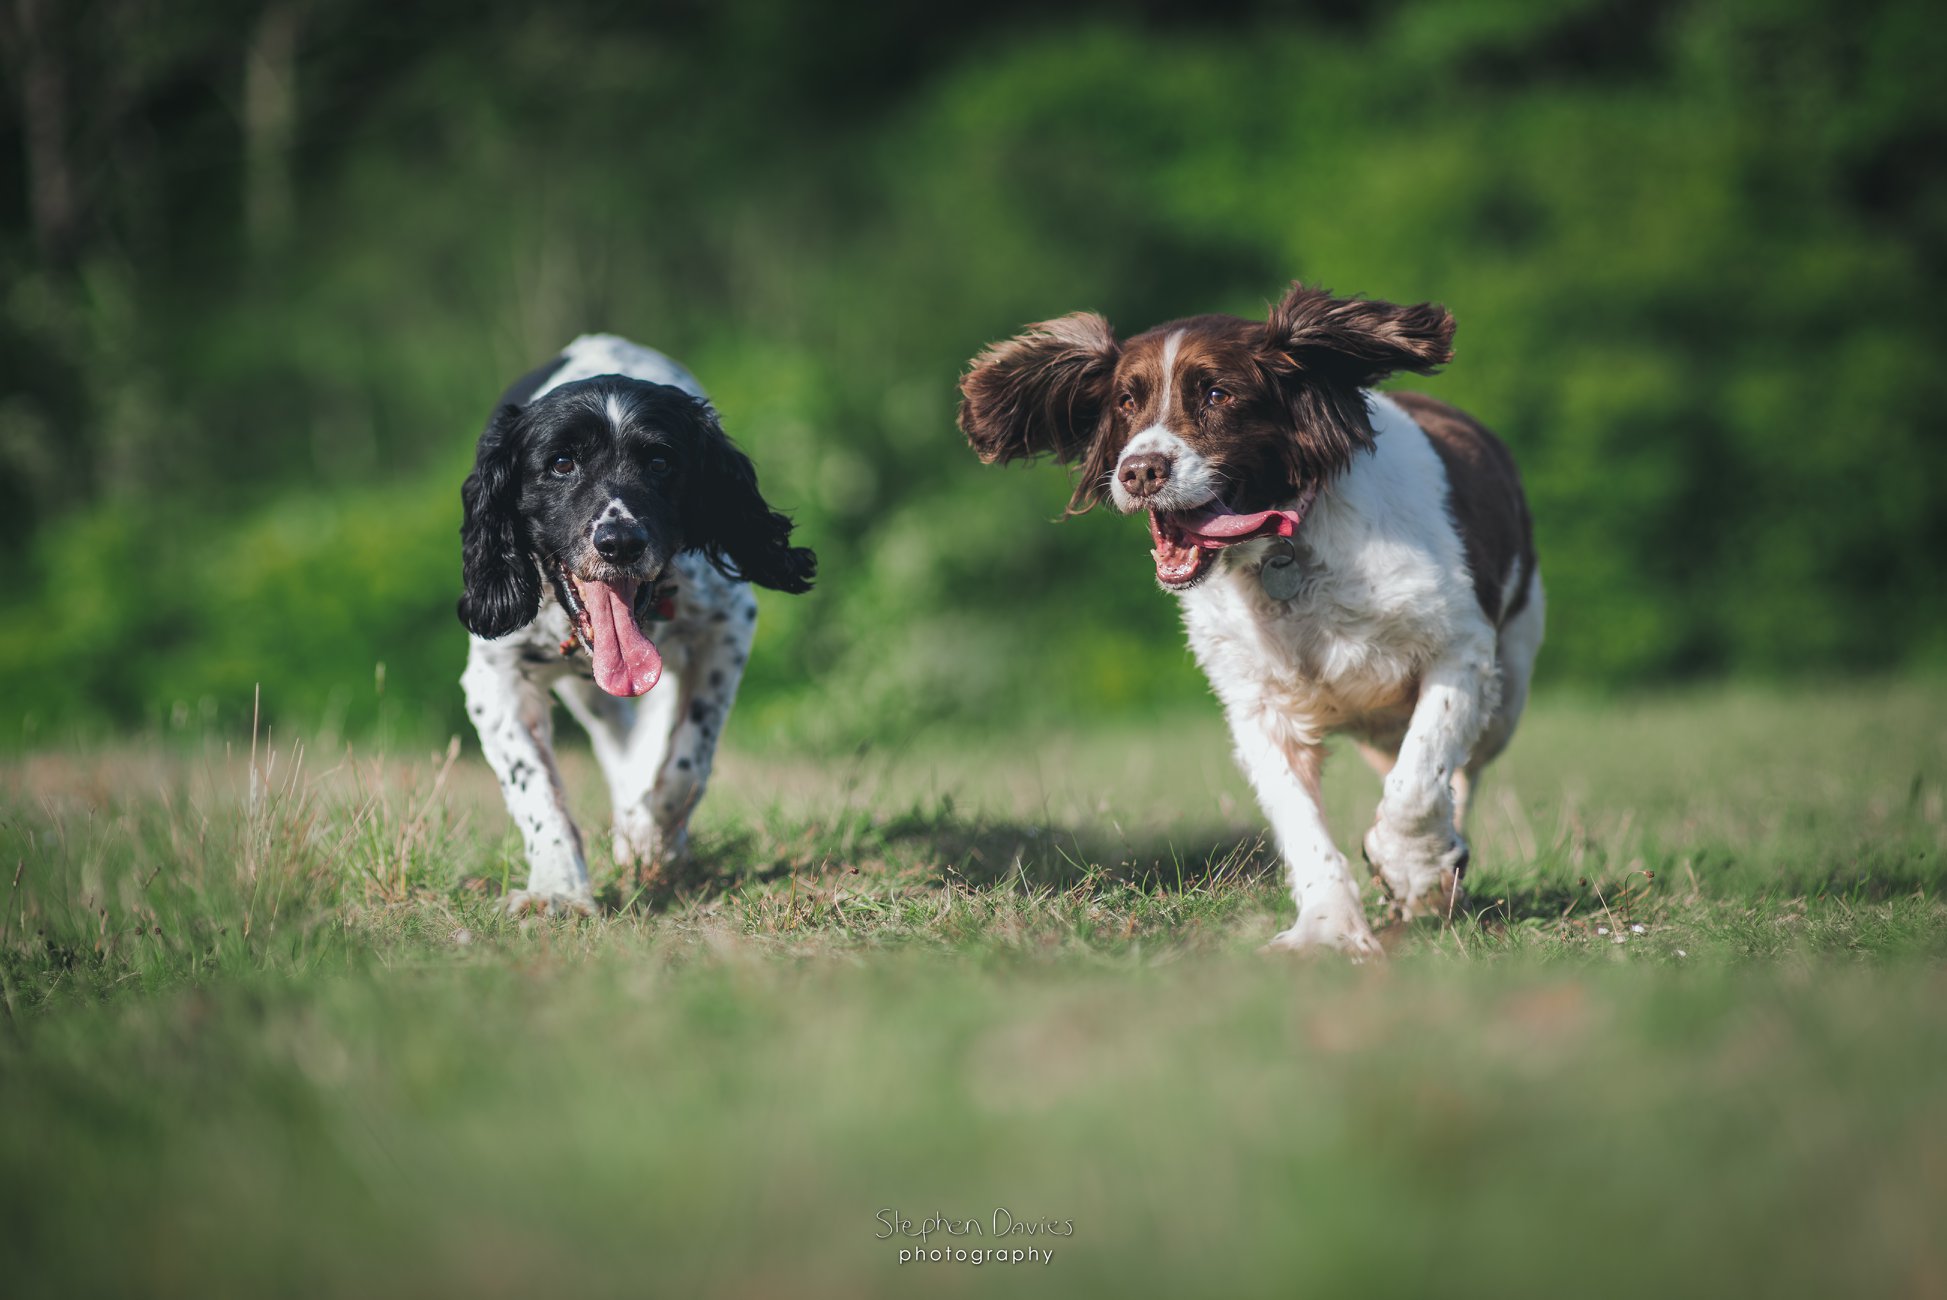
[1640, 894]
[929, 850]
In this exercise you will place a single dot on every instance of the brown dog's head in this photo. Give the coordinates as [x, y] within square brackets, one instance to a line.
[1206, 413]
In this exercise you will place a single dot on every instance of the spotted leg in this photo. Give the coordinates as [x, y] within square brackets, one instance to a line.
[657, 757]
[714, 670]
[511, 712]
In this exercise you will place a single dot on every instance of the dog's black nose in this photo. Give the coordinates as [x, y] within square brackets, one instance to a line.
[621, 542]
[1144, 475]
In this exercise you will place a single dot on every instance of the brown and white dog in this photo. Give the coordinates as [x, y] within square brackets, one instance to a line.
[1347, 561]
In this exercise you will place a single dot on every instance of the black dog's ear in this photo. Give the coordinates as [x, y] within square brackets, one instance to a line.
[1042, 393]
[503, 588]
[1320, 351]
[728, 520]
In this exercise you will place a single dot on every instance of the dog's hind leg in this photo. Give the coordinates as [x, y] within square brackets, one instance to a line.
[1380, 758]
[1520, 640]
[1464, 782]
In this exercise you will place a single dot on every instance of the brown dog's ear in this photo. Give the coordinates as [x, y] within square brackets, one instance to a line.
[1321, 351]
[1041, 393]
[1357, 340]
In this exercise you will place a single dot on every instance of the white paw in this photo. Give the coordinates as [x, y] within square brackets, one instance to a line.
[651, 846]
[528, 902]
[1337, 924]
[1443, 896]
[1422, 873]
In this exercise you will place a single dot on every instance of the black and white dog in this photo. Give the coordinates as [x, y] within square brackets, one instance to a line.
[610, 535]
[1347, 561]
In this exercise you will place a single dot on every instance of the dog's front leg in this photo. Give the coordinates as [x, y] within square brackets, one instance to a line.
[1415, 845]
[511, 712]
[1283, 767]
[630, 739]
[660, 822]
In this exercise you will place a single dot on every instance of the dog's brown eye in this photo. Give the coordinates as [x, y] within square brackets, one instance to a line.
[1126, 403]
[659, 464]
[561, 466]
[1216, 397]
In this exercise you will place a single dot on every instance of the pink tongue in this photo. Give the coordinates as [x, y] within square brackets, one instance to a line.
[625, 662]
[1214, 527]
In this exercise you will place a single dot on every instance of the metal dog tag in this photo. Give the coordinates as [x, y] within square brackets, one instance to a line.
[1280, 577]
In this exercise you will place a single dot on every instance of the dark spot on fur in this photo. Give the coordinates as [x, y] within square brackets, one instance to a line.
[716, 677]
[682, 765]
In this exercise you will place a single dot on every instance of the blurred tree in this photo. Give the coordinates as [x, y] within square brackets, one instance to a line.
[37, 63]
[263, 262]
[270, 125]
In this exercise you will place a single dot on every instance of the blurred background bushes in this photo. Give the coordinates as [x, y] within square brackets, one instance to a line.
[265, 265]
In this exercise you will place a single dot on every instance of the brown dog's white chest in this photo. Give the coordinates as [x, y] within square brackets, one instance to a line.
[1297, 660]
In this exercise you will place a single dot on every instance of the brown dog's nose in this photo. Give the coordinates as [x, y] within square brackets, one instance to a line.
[1144, 475]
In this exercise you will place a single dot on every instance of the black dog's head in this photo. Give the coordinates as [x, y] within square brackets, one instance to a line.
[601, 483]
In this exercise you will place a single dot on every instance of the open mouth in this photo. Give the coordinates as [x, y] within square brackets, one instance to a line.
[1185, 542]
[1180, 557]
[603, 616]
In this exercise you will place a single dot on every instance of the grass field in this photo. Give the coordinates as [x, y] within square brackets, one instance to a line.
[265, 1033]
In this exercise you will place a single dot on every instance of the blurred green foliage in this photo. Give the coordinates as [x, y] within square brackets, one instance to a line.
[1695, 251]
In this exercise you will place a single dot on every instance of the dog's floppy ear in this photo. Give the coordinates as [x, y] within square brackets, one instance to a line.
[1320, 351]
[1042, 393]
[1358, 340]
[503, 588]
[728, 520]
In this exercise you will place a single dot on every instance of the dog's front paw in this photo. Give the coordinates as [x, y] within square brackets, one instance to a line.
[1443, 897]
[642, 842]
[655, 873]
[653, 849]
[1420, 873]
[527, 902]
[1334, 924]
